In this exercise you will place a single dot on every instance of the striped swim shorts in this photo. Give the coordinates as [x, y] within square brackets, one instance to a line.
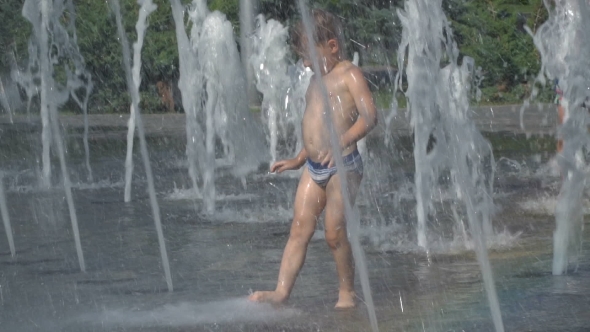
[321, 174]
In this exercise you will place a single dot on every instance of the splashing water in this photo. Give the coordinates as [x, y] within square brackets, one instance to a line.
[79, 80]
[446, 140]
[213, 94]
[4, 101]
[241, 138]
[361, 144]
[26, 79]
[190, 85]
[300, 77]
[47, 18]
[46, 75]
[270, 67]
[10, 98]
[562, 43]
[53, 45]
[283, 86]
[132, 75]
[5, 216]
[133, 81]
[189, 314]
[248, 10]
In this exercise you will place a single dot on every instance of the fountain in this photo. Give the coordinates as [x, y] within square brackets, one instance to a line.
[41, 66]
[133, 82]
[445, 139]
[51, 43]
[4, 101]
[10, 99]
[79, 81]
[25, 80]
[5, 217]
[248, 11]
[191, 85]
[235, 245]
[212, 85]
[269, 62]
[562, 42]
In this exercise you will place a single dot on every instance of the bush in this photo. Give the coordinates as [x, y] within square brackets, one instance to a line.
[492, 32]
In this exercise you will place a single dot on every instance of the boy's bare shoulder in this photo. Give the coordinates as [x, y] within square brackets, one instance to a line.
[348, 70]
[345, 66]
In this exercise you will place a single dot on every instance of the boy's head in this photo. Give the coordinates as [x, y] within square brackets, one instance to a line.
[327, 33]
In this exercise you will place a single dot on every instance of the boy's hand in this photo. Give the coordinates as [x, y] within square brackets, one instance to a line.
[285, 165]
[328, 159]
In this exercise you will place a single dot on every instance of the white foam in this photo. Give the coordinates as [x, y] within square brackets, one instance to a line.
[498, 240]
[550, 169]
[190, 194]
[545, 205]
[237, 310]
[395, 238]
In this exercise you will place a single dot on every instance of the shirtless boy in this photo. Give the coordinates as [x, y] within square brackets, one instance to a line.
[353, 115]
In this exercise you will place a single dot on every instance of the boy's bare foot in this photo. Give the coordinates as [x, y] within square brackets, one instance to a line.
[272, 297]
[345, 300]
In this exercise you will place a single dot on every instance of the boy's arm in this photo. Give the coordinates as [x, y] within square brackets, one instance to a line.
[301, 157]
[363, 99]
[290, 164]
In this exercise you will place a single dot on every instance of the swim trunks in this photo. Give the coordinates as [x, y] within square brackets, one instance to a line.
[321, 174]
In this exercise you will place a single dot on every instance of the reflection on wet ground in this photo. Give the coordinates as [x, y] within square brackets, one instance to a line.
[217, 261]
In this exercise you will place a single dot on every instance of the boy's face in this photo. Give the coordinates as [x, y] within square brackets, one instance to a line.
[327, 53]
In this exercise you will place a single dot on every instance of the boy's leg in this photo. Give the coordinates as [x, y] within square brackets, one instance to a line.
[310, 200]
[336, 235]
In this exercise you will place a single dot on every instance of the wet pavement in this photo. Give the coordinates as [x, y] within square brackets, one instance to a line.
[217, 261]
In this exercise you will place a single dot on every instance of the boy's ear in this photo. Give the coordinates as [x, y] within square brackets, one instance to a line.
[333, 45]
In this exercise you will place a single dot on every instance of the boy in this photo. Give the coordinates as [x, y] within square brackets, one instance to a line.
[353, 115]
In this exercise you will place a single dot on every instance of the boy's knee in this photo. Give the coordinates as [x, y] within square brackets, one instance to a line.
[301, 234]
[335, 239]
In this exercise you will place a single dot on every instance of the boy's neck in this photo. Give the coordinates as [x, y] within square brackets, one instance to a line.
[335, 62]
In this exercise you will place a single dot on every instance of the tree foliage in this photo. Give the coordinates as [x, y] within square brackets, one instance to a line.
[370, 26]
[492, 32]
[488, 30]
[14, 32]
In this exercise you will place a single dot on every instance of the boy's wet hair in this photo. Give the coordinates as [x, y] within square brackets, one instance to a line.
[326, 26]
